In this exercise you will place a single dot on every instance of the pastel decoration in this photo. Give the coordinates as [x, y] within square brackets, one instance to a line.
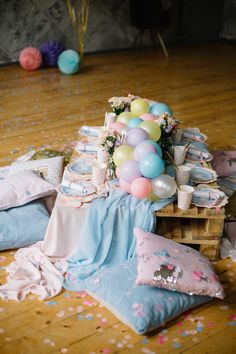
[151, 166]
[69, 62]
[147, 116]
[163, 263]
[30, 58]
[153, 197]
[118, 172]
[159, 108]
[118, 126]
[164, 186]
[139, 107]
[157, 146]
[142, 149]
[134, 123]
[125, 186]
[130, 171]
[143, 308]
[152, 128]
[123, 153]
[136, 136]
[124, 117]
[141, 187]
[50, 52]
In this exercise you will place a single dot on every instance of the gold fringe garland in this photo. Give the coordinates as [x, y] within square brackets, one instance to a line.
[79, 12]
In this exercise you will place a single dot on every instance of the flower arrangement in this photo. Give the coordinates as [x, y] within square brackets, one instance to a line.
[109, 141]
[168, 125]
[121, 104]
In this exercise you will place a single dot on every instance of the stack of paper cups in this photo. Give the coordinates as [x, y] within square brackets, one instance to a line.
[110, 118]
[182, 174]
[179, 154]
[102, 155]
[99, 173]
[185, 195]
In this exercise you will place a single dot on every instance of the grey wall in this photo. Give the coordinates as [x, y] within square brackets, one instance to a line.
[32, 22]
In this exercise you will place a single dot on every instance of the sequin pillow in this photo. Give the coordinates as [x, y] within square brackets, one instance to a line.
[143, 308]
[167, 264]
[22, 188]
[50, 169]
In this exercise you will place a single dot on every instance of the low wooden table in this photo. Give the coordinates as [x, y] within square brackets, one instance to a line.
[200, 227]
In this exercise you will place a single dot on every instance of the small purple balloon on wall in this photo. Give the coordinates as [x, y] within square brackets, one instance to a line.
[50, 52]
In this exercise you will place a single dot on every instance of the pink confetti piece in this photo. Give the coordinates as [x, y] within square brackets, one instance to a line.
[162, 339]
[80, 309]
[232, 317]
[211, 324]
[179, 324]
[81, 294]
[107, 351]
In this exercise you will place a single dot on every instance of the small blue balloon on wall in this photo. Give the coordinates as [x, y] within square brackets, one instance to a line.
[159, 108]
[69, 62]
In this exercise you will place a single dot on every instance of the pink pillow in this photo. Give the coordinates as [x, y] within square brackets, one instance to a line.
[22, 188]
[167, 264]
[224, 163]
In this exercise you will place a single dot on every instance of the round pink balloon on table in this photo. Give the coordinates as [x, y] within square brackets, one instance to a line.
[125, 186]
[141, 187]
[147, 116]
[118, 126]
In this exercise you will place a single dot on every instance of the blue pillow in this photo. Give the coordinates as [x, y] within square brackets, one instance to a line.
[23, 226]
[140, 307]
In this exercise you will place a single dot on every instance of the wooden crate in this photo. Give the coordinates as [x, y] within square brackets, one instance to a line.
[198, 227]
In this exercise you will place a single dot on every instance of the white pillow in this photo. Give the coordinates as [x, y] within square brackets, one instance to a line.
[50, 169]
[22, 188]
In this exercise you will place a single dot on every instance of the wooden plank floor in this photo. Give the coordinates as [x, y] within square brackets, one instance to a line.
[45, 109]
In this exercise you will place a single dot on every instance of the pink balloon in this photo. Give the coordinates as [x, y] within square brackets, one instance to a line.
[117, 172]
[136, 136]
[147, 116]
[30, 58]
[125, 186]
[130, 171]
[141, 187]
[143, 149]
[117, 126]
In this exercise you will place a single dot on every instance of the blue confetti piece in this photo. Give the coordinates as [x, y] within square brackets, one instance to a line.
[67, 295]
[177, 345]
[52, 303]
[185, 334]
[80, 317]
[145, 341]
[200, 329]
[89, 317]
[232, 323]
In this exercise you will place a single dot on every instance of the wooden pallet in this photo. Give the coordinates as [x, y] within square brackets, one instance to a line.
[198, 227]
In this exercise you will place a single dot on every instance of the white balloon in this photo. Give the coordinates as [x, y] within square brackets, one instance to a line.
[164, 186]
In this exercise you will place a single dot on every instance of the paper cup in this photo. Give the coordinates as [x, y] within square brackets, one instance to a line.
[182, 174]
[177, 136]
[179, 154]
[99, 173]
[110, 118]
[185, 195]
[102, 156]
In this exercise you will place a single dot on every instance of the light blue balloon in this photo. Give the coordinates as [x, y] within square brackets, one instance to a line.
[134, 123]
[157, 146]
[69, 62]
[159, 108]
[151, 166]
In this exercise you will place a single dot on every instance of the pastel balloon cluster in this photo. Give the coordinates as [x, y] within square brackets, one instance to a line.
[139, 162]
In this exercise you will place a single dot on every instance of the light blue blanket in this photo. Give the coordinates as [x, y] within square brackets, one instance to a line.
[107, 238]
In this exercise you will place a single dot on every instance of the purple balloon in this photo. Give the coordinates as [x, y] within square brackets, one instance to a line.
[130, 171]
[136, 136]
[143, 149]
